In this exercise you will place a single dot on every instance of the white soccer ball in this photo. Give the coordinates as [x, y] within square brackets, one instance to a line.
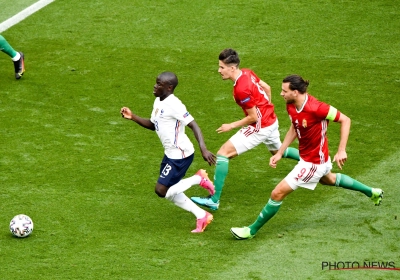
[21, 225]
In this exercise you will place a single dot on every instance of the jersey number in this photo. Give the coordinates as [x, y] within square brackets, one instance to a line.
[302, 171]
[166, 169]
[260, 89]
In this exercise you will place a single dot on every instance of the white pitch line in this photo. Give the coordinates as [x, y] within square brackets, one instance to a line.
[24, 14]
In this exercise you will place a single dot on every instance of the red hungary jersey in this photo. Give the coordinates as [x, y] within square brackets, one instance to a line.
[248, 94]
[311, 125]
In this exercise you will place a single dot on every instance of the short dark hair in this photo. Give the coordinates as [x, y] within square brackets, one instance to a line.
[296, 82]
[229, 56]
[170, 78]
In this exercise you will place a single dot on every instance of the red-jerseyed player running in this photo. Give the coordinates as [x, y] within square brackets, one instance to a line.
[310, 119]
[260, 124]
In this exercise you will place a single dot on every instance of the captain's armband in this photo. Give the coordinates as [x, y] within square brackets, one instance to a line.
[333, 114]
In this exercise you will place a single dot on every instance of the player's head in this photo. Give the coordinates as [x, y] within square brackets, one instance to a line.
[229, 57]
[166, 82]
[293, 87]
[296, 82]
[169, 78]
[228, 63]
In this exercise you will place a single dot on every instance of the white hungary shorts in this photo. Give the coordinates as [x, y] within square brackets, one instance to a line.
[307, 174]
[247, 138]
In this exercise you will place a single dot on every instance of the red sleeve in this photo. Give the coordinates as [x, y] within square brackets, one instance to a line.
[322, 110]
[337, 116]
[243, 96]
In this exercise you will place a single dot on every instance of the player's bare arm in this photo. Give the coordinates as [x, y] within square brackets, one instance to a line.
[249, 119]
[266, 87]
[126, 113]
[207, 155]
[289, 138]
[341, 155]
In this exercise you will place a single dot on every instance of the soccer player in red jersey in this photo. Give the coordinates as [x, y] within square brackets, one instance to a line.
[260, 124]
[310, 119]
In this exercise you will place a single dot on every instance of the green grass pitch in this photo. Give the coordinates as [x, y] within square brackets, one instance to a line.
[86, 176]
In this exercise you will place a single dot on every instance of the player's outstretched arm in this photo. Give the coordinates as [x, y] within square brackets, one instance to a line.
[341, 155]
[289, 138]
[126, 113]
[249, 119]
[207, 155]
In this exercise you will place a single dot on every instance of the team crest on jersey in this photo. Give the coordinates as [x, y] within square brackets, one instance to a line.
[304, 123]
[245, 100]
[186, 114]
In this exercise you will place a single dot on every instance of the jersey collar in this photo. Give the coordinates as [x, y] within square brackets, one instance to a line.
[234, 84]
[304, 104]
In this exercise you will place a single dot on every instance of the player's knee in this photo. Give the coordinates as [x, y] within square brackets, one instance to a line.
[276, 195]
[159, 194]
[222, 152]
[281, 191]
[227, 150]
[328, 180]
[160, 190]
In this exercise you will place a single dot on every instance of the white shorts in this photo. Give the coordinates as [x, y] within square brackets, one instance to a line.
[307, 175]
[246, 138]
